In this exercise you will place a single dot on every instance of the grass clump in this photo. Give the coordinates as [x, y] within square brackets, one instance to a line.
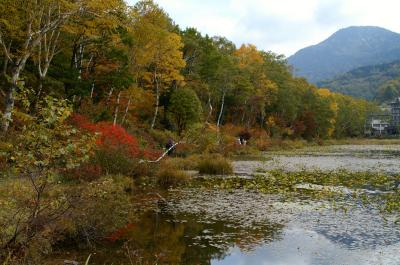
[169, 175]
[187, 163]
[215, 165]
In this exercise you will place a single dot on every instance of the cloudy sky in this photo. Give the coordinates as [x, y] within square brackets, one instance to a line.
[282, 26]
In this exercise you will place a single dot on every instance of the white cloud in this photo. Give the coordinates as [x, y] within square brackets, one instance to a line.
[283, 26]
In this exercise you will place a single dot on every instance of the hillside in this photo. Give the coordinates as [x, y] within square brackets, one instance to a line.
[364, 82]
[345, 50]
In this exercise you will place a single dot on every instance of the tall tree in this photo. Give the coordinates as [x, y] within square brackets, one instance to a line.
[99, 37]
[226, 71]
[259, 91]
[31, 21]
[185, 108]
[157, 53]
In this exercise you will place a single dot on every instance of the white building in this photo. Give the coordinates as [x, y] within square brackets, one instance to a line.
[379, 127]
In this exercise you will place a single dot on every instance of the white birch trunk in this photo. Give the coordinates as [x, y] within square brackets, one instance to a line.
[157, 101]
[126, 112]
[222, 109]
[116, 109]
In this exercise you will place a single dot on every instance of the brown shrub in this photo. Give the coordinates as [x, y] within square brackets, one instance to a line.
[144, 170]
[85, 172]
[184, 149]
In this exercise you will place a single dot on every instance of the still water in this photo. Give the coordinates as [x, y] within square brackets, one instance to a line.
[373, 158]
[220, 227]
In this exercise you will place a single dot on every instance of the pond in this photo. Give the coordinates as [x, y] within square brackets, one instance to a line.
[373, 158]
[199, 225]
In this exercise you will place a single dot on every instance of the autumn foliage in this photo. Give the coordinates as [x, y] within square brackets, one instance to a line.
[113, 138]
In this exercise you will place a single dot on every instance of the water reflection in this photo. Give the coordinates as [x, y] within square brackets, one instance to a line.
[165, 238]
[302, 247]
[239, 227]
[314, 231]
[181, 239]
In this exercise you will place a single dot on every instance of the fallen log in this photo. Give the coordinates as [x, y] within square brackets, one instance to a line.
[161, 157]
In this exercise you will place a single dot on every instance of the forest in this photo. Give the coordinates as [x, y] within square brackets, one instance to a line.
[377, 82]
[134, 67]
[92, 91]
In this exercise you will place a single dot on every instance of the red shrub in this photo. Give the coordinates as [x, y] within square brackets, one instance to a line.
[115, 137]
[111, 137]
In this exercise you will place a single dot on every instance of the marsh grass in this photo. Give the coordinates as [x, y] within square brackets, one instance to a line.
[185, 163]
[170, 176]
[215, 165]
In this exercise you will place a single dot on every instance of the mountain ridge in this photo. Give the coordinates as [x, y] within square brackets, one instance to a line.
[346, 49]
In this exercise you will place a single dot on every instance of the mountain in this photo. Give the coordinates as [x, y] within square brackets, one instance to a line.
[346, 50]
[364, 82]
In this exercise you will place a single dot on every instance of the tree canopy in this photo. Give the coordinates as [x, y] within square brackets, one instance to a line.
[131, 65]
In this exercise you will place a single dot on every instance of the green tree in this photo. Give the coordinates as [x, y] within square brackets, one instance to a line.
[185, 108]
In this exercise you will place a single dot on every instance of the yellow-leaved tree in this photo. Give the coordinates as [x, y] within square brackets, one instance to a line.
[333, 106]
[258, 91]
[157, 50]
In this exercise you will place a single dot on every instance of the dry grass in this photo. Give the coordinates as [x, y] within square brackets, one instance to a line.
[215, 165]
[169, 176]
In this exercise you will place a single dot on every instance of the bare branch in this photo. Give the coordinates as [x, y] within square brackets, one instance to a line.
[5, 49]
[55, 44]
[31, 179]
